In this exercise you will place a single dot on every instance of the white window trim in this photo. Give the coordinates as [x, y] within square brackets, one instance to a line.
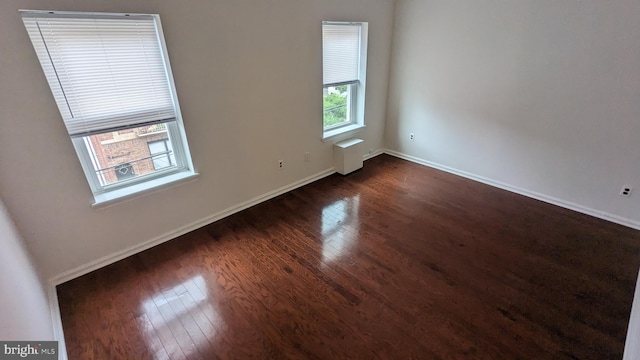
[331, 134]
[141, 185]
[358, 112]
[135, 191]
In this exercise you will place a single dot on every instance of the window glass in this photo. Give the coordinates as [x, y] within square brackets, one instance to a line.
[161, 154]
[125, 154]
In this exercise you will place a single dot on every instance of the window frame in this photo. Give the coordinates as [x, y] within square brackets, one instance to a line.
[357, 88]
[183, 169]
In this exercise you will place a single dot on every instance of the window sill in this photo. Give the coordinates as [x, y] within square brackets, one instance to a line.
[341, 130]
[138, 190]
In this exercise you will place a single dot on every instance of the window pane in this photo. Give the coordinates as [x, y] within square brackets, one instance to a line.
[336, 101]
[126, 154]
[161, 154]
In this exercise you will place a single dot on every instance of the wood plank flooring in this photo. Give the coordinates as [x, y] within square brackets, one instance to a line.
[395, 261]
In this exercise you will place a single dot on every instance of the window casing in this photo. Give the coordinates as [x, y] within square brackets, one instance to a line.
[112, 82]
[344, 64]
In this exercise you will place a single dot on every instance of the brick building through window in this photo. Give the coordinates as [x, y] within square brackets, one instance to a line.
[124, 154]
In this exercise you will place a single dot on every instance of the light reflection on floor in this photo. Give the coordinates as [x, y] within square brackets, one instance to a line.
[340, 226]
[188, 304]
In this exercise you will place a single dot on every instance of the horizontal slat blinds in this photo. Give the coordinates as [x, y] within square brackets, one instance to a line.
[340, 53]
[104, 72]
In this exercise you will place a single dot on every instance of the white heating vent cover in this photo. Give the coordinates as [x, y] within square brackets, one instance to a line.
[347, 155]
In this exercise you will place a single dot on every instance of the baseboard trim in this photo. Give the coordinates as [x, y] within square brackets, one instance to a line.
[632, 345]
[372, 154]
[532, 194]
[112, 258]
[56, 320]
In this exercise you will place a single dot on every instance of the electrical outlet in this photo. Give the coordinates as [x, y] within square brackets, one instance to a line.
[307, 157]
[626, 191]
[280, 164]
[412, 136]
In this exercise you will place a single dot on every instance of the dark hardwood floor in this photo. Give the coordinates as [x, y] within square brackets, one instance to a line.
[395, 261]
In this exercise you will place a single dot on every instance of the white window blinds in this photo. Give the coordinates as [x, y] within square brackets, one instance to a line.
[106, 72]
[340, 53]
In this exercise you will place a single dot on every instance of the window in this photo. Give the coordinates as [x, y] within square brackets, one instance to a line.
[111, 79]
[161, 154]
[344, 63]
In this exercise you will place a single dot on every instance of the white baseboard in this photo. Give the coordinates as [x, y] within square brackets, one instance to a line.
[109, 259]
[632, 344]
[56, 320]
[532, 194]
[132, 250]
[372, 154]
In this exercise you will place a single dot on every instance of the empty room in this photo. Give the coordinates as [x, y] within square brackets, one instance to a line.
[319, 179]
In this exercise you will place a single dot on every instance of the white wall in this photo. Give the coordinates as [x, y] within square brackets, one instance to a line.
[24, 308]
[543, 96]
[248, 75]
